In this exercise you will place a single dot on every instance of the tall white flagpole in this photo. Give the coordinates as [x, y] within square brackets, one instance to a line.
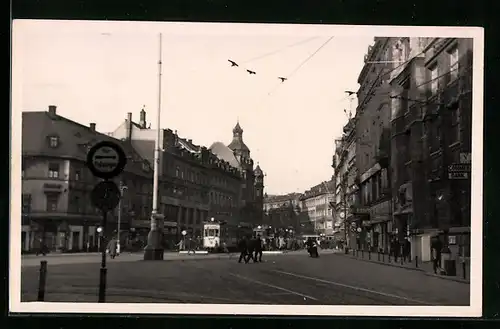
[154, 248]
[157, 141]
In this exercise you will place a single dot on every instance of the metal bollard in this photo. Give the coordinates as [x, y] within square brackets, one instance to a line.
[42, 280]
[464, 268]
[416, 261]
[378, 256]
[362, 253]
[402, 260]
[383, 257]
[369, 255]
[389, 258]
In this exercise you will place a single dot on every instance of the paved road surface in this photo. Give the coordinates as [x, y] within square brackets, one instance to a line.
[282, 279]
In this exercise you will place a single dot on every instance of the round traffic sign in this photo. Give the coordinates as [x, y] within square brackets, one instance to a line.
[359, 229]
[105, 196]
[106, 160]
[183, 232]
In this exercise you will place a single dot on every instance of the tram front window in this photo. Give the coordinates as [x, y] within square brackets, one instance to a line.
[212, 232]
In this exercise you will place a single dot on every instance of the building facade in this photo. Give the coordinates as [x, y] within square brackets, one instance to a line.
[282, 211]
[431, 130]
[345, 188]
[237, 153]
[195, 185]
[318, 202]
[56, 185]
[373, 209]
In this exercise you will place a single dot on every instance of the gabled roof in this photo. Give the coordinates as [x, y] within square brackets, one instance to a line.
[75, 140]
[223, 152]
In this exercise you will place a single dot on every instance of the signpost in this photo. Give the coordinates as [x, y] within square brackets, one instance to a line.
[105, 160]
[459, 170]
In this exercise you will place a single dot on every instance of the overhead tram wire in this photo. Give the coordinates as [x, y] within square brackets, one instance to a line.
[252, 72]
[276, 86]
[278, 50]
[301, 64]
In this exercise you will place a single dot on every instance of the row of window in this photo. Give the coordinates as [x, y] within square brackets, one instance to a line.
[372, 189]
[221, 199]
[197, 178]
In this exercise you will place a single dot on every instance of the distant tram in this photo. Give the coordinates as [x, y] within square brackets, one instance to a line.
[215, 234]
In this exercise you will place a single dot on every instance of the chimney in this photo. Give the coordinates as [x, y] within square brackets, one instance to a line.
[190, 141]
[92, 126]
[128, 128]
[143, 119]
[52, 109]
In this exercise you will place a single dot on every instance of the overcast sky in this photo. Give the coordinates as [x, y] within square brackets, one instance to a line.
[97, 72]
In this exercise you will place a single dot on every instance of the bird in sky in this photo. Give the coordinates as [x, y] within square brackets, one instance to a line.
[251, 72]
[282, 79]
[233, 63]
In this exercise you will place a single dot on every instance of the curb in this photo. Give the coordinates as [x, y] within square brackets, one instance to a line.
[449, 278]
[386, 264]
[442, 277]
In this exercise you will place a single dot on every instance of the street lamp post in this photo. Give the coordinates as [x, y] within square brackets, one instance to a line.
[122, 188]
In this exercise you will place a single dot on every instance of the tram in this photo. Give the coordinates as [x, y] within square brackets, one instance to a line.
[216, 234]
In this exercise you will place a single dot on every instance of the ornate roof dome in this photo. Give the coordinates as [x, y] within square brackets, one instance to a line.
[237, 129]
[237, 143]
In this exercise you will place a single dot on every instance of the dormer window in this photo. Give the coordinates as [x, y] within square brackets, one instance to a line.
[53, 141]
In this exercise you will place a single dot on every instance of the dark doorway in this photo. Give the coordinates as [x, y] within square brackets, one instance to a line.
[76, 239]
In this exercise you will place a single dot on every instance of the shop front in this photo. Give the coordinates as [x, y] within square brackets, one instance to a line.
[378, 227]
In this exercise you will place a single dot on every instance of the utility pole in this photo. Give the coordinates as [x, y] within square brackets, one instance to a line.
[154, 248]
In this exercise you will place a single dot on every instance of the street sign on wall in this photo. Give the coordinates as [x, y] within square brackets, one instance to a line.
[458, 175]
[459, 170]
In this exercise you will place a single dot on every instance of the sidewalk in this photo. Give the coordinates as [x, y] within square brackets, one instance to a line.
[425, 267]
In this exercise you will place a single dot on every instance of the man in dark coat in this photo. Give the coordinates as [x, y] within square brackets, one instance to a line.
[436, 247]
[250, 250]
[258, 249]
[242, 247]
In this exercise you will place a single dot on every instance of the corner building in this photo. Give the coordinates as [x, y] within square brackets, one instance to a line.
[56, 185]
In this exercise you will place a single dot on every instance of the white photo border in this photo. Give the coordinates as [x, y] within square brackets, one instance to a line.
[476, 268]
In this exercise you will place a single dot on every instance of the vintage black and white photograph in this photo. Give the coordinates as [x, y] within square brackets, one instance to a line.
[222, 168]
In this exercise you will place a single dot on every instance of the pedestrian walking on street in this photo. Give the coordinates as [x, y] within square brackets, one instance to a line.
[112, 248]
[250, 250]
[407, 249]
[395, 249]
[181, 245]
[436, 247]
[242, 248]
[190, 246]
[41, 248]
[258, 249]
